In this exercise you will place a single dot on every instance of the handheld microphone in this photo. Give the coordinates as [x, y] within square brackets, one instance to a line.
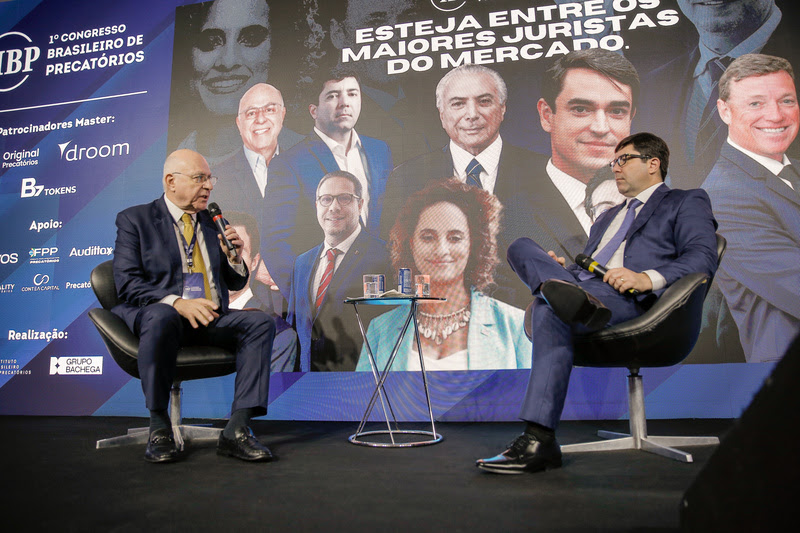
[216, 215]
[587, 263]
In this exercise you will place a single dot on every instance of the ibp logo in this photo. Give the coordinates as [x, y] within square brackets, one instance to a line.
[16, 59]
[448, 5]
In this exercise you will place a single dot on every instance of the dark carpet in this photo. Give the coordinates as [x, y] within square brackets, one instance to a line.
[55, 480]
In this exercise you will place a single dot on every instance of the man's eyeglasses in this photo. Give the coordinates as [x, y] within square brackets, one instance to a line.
[624, 158]
[252, 112]
[344, 199]
[200, 178]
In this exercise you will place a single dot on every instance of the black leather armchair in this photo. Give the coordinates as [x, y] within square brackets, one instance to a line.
[194, 362]
[663, 336]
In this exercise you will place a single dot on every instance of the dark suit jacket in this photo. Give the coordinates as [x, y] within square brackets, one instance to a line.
[330, 338]
[289, 222]
[147, 259]
[674, 233]
[532, 207]
[664, 105]
[237, 189]
[759, 216]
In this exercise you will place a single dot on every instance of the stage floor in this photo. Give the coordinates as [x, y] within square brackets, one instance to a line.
[55, 480]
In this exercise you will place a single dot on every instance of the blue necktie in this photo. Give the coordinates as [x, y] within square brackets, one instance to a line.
[474, 170]
[789, 173]
[604, 256]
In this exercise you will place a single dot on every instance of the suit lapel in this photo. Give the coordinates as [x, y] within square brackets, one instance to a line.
[599, 228]
[165, 227]
[307, 271]
[647, 210]
[322, 154]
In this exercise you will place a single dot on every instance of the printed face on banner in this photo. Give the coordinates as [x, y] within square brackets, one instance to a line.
[762, 113]
[260, 118]
[370, 14]
[471, 111]
[592, 114]
[232, 53]
[338, 108]
[441, 243]
[184, 191]
[724, 16]
[338, 221]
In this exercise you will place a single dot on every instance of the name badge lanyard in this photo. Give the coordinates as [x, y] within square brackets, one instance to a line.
[188, 248]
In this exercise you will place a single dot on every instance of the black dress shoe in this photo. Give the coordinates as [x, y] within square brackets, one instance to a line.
[244, 446]
[574, 305]
[525, 454]
[161, 447]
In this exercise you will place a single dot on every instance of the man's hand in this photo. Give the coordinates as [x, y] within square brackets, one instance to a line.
[197, 311]
[561, 261]
[623, 280]
[235, 240]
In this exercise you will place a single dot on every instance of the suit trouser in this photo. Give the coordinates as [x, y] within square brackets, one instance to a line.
[248, 334]
[552, 338]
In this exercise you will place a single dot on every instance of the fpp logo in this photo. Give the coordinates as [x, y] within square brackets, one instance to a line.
[76, 366]
[78, 153]
[16, 59]
[43, 255]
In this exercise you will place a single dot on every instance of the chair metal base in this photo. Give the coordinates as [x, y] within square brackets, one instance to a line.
[658, 445]
[638, 438]
[182, 433]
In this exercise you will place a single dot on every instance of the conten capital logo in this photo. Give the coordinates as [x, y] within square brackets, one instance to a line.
[16, 59]
[448, 5]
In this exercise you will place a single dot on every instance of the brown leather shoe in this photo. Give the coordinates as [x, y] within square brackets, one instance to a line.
[574, 305]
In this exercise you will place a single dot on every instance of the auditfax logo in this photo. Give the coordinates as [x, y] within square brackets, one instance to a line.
[76, 366]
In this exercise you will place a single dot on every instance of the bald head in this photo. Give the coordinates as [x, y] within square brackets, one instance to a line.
[260, 119]
[185, 180]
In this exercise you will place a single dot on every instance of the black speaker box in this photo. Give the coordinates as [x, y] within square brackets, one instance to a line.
[749, 483]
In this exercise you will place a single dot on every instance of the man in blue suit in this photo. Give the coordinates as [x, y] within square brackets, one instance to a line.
[287, 223]
[174, 282]
[324, 276]
[648, 242]
[755, 189]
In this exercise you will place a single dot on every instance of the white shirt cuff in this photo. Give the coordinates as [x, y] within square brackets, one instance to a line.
[656, 279]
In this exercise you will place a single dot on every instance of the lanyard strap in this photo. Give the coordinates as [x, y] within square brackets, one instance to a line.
[188, 248]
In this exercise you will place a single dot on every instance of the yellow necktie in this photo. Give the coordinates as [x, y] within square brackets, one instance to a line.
[198, 265]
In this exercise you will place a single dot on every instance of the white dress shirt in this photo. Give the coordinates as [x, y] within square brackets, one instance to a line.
[352, 159]
[489, 160]
[259, 166]
[573, 191]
